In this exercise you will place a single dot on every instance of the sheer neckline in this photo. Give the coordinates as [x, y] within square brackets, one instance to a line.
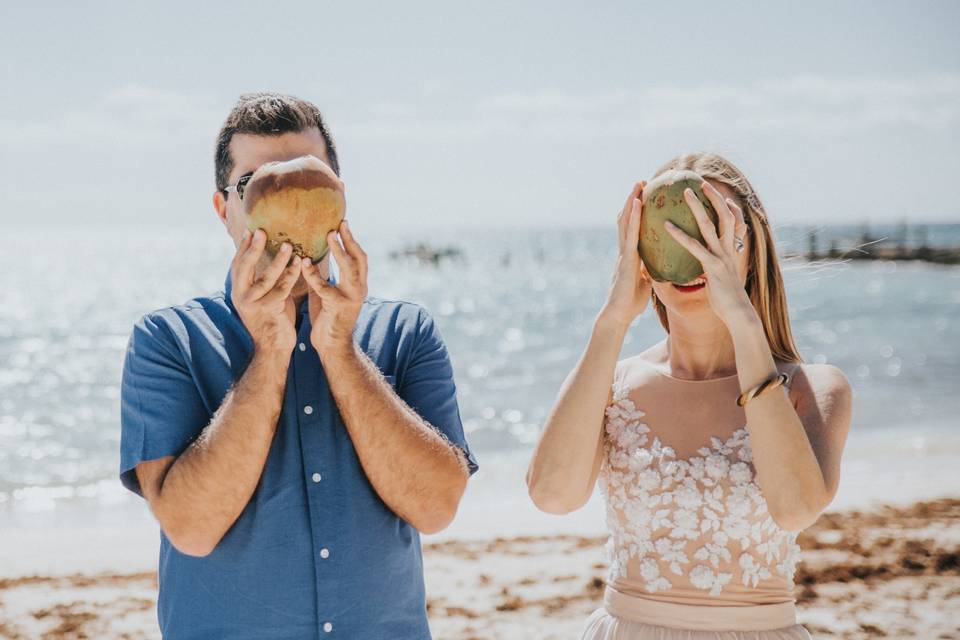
[657, 370]
[692, 380]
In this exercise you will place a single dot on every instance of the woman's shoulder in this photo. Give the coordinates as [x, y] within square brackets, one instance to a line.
[812, 381]
[637, 370]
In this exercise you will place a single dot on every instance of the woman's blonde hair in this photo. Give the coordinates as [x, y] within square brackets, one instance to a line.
[764, 281]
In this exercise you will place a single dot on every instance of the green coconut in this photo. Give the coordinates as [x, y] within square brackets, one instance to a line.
[297, 201]
[665, 258]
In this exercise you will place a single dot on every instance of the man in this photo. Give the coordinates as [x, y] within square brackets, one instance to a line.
[291, 434]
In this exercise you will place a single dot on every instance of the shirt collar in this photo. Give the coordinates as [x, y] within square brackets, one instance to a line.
[332, 279]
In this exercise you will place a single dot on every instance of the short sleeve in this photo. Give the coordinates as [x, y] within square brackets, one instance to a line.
[427, 385]
[161, 410]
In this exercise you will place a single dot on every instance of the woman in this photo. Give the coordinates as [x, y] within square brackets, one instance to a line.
[704, 497]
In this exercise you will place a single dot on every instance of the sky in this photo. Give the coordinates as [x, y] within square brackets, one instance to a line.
[494, 114]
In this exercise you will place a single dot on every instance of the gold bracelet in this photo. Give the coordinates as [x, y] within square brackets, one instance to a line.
[763, 387]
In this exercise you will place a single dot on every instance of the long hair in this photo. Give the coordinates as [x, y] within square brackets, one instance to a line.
[764, 283]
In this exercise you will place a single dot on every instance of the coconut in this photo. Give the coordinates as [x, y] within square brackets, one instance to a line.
[297, 201]
[665, 258]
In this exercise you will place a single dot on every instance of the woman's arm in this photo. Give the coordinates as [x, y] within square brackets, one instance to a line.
[796, 454]
[797, 458]
[567, 457]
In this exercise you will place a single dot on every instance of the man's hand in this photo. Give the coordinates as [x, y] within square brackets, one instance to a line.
[334, 308]
[264, 303]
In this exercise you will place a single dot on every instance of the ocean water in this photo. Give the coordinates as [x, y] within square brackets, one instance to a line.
[515, 311]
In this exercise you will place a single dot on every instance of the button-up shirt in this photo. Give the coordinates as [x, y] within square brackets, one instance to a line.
[315, 553]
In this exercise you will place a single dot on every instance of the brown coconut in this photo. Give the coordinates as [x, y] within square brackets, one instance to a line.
[297, 201]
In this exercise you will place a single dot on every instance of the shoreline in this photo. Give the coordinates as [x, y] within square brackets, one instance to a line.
[891, 569]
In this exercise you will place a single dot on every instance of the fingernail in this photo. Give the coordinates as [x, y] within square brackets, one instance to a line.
[669, 225]
[246, 234]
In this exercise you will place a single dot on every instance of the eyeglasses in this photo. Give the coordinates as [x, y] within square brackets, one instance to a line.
[240, 186]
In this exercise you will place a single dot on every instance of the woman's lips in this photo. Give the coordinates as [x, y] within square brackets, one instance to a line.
[688, 288]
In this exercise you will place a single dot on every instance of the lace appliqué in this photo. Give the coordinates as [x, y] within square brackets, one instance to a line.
[657, 504]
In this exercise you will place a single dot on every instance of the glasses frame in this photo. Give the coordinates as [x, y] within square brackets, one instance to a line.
[239, 186]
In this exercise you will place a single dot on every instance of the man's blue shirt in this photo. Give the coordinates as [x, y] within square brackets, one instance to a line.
[315, 553]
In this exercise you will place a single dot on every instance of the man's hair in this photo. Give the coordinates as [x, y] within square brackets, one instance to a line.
[268, 114]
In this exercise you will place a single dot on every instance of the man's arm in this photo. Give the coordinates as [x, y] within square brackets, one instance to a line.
[198, 495]
[415, 470]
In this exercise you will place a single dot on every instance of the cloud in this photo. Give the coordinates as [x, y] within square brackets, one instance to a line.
[128, 115]
[803, 105]
[141, 116]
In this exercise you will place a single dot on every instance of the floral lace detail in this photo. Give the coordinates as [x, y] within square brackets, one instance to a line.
[657, 505]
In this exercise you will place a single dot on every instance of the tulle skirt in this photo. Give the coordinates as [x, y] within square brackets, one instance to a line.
[627, 617]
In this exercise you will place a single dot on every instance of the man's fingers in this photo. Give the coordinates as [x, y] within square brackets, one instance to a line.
[350, 274]
[349, 242]
[315, 280]
[354, 249]
[284, 283]
[249, 258]
[273, 271]
[337, 249]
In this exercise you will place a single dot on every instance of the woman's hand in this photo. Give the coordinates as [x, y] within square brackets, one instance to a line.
[725, 290]
[631, 285]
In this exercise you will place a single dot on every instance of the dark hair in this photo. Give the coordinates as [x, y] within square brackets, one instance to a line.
[268, 114]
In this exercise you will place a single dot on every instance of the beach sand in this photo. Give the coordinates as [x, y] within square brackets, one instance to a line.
[891, 571]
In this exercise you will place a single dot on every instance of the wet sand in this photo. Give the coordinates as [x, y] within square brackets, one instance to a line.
[886, 572]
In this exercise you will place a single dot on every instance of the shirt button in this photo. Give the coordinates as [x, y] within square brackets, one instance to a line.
[327, 627]
[308, 409]
[303, 347]
[324, 553]
[316, 477]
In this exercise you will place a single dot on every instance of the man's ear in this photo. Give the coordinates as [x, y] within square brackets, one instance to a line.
[220, 206]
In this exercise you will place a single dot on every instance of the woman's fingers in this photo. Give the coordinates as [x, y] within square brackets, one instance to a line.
[623, 218]
[645, 276]
[633, 229]
[740, 225]
[726, 218]
[269, 277]
[739, 220]
[707, 229]
[700, 252]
